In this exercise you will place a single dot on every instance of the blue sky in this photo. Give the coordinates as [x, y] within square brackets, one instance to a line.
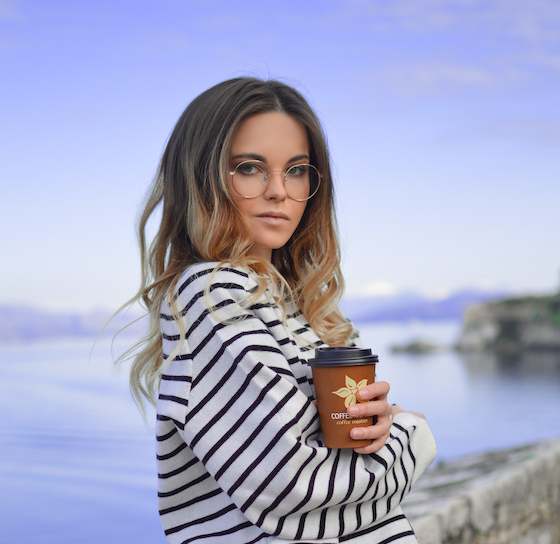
[443, 119]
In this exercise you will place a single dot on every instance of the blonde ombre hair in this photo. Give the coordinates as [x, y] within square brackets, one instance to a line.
[201, 221]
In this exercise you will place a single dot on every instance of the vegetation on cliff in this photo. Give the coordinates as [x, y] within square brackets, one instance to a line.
[512, 324]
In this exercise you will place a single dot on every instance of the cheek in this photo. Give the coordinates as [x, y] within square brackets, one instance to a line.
[244, 204]
[300, 210]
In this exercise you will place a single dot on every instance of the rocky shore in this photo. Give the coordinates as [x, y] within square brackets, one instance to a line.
[512, 325]
[509, 496]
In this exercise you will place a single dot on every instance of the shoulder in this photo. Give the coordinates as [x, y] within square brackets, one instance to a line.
[213, 280]
[201, 275]
[209, 285]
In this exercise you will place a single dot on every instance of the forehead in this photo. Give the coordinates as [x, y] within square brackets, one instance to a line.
[271, 133]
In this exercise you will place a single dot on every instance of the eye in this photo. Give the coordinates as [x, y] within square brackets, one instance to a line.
[250, 169]
[298, 170]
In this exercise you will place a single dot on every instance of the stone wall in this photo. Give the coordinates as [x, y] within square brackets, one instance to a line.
[510, 497]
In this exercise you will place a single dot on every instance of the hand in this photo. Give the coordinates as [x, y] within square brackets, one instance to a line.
[397, 410]
[376, 396]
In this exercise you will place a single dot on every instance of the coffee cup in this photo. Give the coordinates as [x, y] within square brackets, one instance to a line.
[338, 374]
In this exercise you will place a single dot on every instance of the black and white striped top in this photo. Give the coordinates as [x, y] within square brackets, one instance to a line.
[239, 445]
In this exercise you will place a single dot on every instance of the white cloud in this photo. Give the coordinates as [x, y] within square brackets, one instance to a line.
[9, 11]
[441, 293]
[426, 77]
[546, 60]
[433, 47]
[375, 289]
[486, 284]
[525, 128]
[531, 20]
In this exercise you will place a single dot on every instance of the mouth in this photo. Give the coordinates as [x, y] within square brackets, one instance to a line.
[275, 219]
[274, 215]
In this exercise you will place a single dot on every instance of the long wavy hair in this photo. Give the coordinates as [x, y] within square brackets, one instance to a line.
[201, 221]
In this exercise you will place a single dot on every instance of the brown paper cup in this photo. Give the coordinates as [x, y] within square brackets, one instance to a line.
[338, 374]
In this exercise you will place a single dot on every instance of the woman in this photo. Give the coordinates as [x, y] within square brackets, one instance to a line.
[242, 282]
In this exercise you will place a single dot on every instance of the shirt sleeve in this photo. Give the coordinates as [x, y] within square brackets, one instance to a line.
[238, 407]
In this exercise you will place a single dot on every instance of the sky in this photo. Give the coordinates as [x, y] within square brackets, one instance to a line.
[443, 119]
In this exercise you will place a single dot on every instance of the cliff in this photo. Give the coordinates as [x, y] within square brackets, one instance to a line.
[513, 324]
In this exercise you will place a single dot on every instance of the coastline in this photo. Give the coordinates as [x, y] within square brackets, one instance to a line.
[510, 495]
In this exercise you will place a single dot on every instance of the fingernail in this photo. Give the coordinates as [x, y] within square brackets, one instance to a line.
[352, 410]
[359, 450]
[362, 393]
[357, 433]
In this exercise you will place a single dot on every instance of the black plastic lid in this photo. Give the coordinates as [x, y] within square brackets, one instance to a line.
[343, 356]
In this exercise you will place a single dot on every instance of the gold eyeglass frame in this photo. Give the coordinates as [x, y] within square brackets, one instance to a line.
[284, 176]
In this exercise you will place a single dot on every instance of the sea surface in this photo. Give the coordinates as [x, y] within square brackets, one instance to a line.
[77, 463]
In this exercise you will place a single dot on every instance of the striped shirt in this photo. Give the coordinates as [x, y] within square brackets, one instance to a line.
[239, 446]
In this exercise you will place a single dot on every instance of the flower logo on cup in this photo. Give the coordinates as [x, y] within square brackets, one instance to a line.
[349, 392]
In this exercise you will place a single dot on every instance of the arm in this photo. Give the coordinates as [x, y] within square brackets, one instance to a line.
[258, 435]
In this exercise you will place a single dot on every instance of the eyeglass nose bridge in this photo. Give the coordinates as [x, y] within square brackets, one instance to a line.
[284, 174]
[267, 178]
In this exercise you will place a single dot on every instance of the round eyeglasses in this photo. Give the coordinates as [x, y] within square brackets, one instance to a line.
[251, 178]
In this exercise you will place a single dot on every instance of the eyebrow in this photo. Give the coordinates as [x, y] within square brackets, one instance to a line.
[254, 156]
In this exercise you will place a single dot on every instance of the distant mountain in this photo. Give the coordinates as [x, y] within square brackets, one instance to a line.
[19, 323]
[407, 306]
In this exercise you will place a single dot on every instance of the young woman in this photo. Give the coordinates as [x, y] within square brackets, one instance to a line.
[242, 283]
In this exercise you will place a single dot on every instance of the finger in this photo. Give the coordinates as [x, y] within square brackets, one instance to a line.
[372, 432]
[370, 408]
[376, 445]
[374, 390]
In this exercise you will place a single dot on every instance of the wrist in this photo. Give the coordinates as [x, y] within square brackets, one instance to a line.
[396, 409]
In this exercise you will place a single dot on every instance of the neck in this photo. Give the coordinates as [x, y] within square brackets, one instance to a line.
[259, 251]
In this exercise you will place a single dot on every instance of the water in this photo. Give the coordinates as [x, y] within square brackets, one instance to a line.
[473, 403]
[77, 463]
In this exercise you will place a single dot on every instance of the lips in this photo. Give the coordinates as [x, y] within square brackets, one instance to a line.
[274, 218]
[274, 214]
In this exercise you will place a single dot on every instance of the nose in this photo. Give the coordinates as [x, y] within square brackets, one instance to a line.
[276, 189]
